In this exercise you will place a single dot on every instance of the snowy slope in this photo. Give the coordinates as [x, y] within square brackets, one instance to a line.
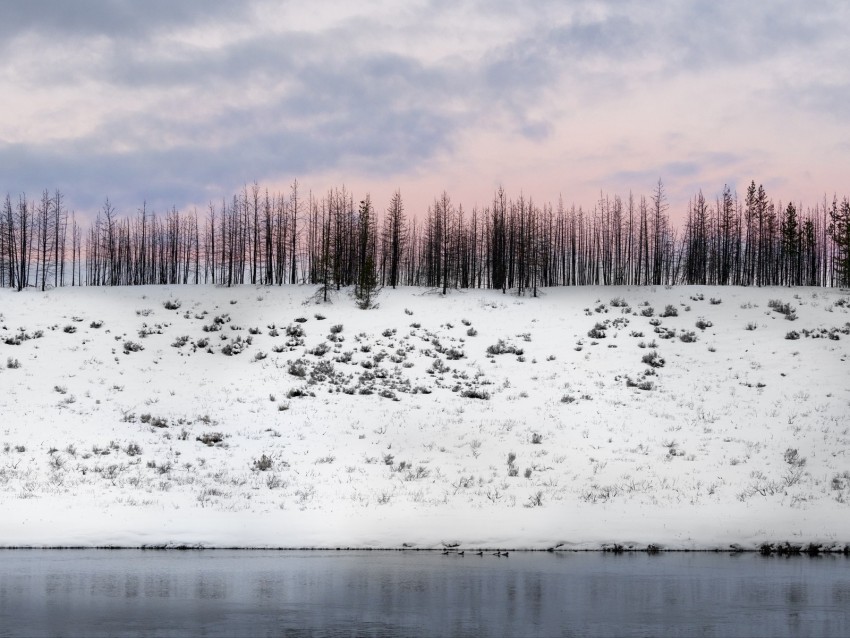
[123, 422]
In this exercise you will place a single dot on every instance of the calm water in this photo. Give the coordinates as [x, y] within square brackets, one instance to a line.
[263, 593]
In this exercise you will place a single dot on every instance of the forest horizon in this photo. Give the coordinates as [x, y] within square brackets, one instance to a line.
[338, 239]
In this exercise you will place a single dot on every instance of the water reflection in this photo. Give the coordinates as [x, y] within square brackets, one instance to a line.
[214, 593]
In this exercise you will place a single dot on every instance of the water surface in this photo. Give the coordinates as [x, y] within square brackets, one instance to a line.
[268, 593]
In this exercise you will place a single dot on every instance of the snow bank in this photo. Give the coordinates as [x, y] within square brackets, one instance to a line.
[260, 417]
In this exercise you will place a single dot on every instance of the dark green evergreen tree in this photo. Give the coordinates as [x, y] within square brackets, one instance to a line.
[839, 231]
[367, 276]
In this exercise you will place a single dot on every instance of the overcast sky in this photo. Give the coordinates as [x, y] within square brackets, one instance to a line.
[180, 103]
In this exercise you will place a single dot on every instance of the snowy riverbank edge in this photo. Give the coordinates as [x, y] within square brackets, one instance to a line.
[741, 439]
[720, 528]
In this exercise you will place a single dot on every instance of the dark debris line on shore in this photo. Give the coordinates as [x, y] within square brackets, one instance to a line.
[765, 549]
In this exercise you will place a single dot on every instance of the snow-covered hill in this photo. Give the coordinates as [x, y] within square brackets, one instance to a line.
[257, 416]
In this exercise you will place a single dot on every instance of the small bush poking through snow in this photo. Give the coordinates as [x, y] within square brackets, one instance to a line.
[133, 449]
[702, 324]
[752, 325]
[535, 500]
[597, 332]
[783, 308]
[132, 346]
[154, 421]
[453, 354]
[840, 483]
[536, 438]
[69, 329]
[665, 333]
[688, 336]
[172, 304]
[792, 335]
[644, 384]
[648, 311]
[500, 347]
[438, 367]
[294, 330]
[670, 311]
[297, 368]
[96, 324]
[792, 457]
[235, 346]
[653, 359]
[263, 463]
[320, 350]
[336, 329]
[471, 332]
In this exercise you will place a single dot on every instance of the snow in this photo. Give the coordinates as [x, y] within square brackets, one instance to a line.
[100, 443]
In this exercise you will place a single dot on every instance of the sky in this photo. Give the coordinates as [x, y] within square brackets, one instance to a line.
[182, 103]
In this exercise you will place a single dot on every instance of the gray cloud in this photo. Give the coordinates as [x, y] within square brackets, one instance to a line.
[377, 112]
[705, 35]
[111, 18]
[270, 104]
[357, 123]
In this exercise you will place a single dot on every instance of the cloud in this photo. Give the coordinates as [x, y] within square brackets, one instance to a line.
[175, 102]
[368, 114]
[700, 36]
[255, 108]
[118, 19]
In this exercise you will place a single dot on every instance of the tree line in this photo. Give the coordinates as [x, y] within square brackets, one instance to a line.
[337, 240]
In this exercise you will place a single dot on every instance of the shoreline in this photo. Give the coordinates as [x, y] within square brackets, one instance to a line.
[778, 549]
